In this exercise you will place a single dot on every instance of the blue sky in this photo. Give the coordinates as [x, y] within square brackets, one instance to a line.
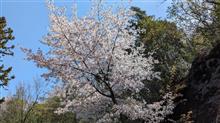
[29, 20]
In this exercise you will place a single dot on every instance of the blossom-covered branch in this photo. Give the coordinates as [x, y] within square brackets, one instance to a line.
[96, 59]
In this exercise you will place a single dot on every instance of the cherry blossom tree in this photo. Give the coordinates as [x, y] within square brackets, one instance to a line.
[101, 70]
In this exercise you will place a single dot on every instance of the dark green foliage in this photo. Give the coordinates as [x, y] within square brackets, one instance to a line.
[5, 37]
[164, 39]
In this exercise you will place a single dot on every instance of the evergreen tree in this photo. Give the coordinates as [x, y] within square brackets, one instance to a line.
[166, 41]
[5, 50]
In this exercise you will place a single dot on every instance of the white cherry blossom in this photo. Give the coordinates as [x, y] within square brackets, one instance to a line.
[101, 70]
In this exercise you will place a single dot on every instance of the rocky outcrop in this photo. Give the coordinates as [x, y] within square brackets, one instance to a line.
[199, 100]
